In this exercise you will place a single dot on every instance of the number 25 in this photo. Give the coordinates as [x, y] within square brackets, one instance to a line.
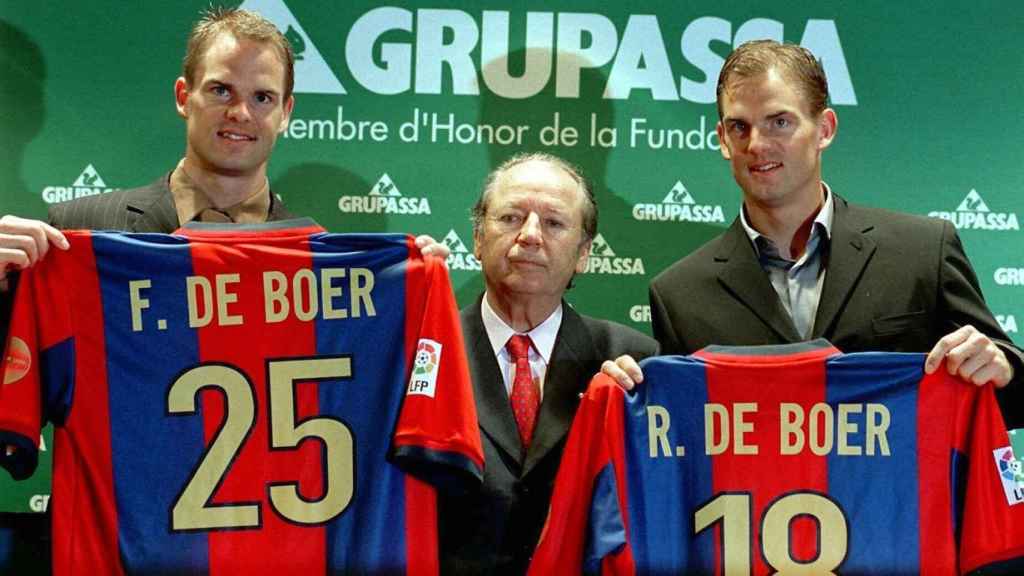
[193, 511]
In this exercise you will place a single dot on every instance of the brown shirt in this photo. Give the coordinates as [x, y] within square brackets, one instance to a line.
[191, 203]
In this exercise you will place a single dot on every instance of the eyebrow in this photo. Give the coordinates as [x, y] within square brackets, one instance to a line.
[218, 82]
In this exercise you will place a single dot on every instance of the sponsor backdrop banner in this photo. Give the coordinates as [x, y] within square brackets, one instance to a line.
[402, 108]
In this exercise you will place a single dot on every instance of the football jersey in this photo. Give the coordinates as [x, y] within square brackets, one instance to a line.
[248, 400]
[784, 459]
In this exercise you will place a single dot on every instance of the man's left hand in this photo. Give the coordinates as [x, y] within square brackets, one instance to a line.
[972, 356]
[430, 247]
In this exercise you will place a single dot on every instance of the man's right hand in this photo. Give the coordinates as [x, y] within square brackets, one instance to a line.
[624, 370]
[23, 242]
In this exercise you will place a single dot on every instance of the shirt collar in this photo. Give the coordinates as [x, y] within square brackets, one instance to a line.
[191, 203]
[543, 335]
[822, 224]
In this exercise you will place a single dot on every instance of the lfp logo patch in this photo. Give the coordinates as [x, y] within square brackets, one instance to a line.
[424, 369]
[1011, 473]
[18, 360]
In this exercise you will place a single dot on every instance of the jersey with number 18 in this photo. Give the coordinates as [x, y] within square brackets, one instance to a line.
[785, 460]
[264, 400]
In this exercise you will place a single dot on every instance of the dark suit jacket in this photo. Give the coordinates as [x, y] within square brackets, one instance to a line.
[144, 209]
[894, 282]
[493, 528]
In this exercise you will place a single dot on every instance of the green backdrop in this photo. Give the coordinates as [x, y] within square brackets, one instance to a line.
[402, 109]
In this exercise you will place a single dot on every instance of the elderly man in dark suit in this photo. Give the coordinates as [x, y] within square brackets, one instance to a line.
[800, 262]
[530, 356]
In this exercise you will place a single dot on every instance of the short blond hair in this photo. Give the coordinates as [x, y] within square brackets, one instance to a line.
[795, 62]
[241, 24]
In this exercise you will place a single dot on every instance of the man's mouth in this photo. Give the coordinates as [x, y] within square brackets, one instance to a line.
[765, 167]
[235, 136]
[526, 262]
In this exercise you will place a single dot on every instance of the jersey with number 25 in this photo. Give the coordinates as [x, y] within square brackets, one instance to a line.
[265, 400]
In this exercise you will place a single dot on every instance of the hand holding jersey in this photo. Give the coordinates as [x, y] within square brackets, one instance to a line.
[968, 354]
[23, 242]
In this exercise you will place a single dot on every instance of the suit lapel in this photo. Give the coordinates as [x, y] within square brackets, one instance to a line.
[850, 251]
[277, 209]
[151, 209]
[492, 404]
[566, 377]
[742, 275]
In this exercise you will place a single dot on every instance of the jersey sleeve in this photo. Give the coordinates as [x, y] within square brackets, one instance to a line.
[585, 531]
[437, 430]
[993, 510]
[38, 361]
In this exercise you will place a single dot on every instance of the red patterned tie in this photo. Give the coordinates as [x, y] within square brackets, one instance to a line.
[525, 395]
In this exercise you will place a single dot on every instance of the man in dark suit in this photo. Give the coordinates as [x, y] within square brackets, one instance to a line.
[801, 262]
[532, 230]
[235, 96]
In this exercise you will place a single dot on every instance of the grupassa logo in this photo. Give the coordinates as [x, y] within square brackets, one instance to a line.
[973, 213]
[384, 198]
[604, 260]
[459, 257]
[88, 183]
[1009, 276]
[393, 50]
[679, 206]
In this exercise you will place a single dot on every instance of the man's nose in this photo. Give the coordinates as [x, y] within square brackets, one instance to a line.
[238, 111]
[531, 231]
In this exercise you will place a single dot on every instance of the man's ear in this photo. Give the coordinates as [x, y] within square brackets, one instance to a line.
[181, 96]
[581, 260]
[289, 104]
[828, 123]
[476, 243]
[722, 145]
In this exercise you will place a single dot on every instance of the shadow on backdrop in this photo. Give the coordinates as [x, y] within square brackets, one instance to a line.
[312, 189]
[22, 111]
[24, 537]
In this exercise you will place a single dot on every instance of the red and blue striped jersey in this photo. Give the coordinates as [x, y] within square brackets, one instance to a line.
[264, 400]
[785, 459]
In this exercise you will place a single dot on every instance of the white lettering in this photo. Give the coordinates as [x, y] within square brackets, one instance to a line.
[432, 51]
[393, 76]
[641, 62]
[494, 54]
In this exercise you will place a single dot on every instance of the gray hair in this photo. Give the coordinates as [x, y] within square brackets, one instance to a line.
[479, 211]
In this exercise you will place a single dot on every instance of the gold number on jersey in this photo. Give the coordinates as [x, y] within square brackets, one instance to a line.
[336, 437]
[735, 511]
[193, 511]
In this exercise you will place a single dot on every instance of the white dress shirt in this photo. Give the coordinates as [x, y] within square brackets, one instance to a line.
[543, 337]
[797, 282]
